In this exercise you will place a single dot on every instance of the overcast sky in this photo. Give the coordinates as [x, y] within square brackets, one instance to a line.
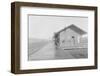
[43, 27]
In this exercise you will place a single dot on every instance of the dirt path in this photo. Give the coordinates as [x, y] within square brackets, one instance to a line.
[47, 52]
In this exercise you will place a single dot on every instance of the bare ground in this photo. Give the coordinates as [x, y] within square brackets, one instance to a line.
[47, 51]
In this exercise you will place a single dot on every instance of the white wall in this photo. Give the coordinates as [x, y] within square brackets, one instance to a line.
[5, 32]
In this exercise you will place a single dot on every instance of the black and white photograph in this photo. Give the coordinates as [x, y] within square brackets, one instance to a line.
[52, 37]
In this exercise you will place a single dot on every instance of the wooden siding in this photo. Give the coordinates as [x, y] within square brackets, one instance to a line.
[66, 38]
